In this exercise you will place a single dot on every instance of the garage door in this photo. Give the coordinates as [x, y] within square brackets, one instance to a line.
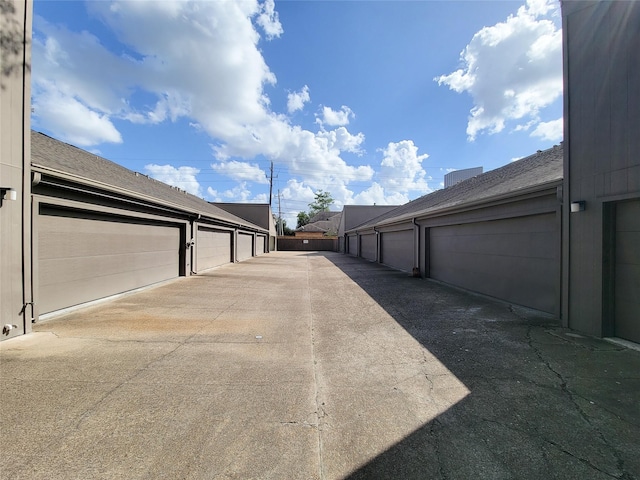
[245, 246]
[352, 245]
[82, 259]
[397, 249]
[368, 247]
[513, 259]
[261, 244]
[627, 271]
[213, 248]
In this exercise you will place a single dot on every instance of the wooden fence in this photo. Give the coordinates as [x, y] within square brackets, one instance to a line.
[288, 244]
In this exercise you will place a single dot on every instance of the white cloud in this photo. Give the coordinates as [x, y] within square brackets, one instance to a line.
[240, 194]
[376, 195]
[340, 139]
[296, 100]
[512, 70]
[241, 171]
[181, 177]
[70, 120]
[209, 71]
[552, 131]
[335, 117]
[401, 169]
[269, 21]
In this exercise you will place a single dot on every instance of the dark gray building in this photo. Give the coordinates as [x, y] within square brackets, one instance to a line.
[601, 234]
[497, 233]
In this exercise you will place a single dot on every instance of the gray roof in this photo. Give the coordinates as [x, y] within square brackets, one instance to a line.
[61, 157]
[536, 170]
[323, 216]
[327, 222]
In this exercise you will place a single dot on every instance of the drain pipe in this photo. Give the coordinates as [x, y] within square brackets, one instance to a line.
[416, 248]
[378, 259]
[192, 243]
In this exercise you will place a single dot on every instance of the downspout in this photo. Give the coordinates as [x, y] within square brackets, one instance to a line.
[192, 243]
[378, 256]
[416, 248]
[26, 215]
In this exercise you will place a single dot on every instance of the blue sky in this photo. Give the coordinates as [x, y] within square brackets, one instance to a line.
[372, 101]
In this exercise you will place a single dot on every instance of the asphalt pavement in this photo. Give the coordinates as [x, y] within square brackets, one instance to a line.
[315, 365]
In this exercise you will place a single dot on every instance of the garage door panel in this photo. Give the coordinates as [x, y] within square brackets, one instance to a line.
[511, 259]
[397, 249]
[245, 246]
[627, 271]
[627, 247]
[368, 247]
[75, 239]
[352, 241]
[529, 244]
[261, 244]
[213, 248]
[83, 259]
[61, 270]
[627, 282]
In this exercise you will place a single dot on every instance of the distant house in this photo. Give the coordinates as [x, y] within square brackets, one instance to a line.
[322, 224]
[497, 233]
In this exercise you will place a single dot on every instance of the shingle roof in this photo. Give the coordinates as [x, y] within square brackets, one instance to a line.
[538, 169]
[323, 216]
[53, 154]
[319, 224]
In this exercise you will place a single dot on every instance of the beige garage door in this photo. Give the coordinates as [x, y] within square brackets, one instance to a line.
[83, 259]
[261, 244]
[245, 246]
[213, 248]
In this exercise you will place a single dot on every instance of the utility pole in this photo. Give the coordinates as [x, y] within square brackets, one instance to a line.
[280, 229]
[271, 184]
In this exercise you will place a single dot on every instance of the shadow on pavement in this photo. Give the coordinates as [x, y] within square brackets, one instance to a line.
[545, 402]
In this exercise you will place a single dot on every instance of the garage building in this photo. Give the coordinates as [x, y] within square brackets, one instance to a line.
[100, 229]
[497, 233]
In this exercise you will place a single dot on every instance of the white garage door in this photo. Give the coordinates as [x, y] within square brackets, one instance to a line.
[213, 248]
[397, 249]
[261, 244]
[84, 259]
[514, 259]
[245, 246]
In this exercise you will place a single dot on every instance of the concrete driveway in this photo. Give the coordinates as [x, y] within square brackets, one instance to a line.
[299, 365]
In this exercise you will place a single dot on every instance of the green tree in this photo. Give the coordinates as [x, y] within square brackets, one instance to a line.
[321, 203]
[303, 219]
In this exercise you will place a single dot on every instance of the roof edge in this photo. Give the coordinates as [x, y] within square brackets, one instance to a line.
[540, 188]
[139, 196]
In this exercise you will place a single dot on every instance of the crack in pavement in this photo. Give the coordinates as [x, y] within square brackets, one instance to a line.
[572, 398]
